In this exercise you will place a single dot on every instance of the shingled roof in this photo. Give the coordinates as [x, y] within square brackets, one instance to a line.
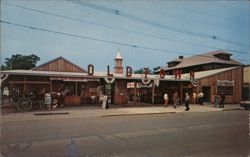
[206, 58]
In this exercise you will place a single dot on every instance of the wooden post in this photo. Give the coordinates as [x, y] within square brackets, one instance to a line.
[25, 85]
[153, 92]
[181, 93]
[76, 88]
[2, 94]
[50, 85]
[9, 92]
[135, 93]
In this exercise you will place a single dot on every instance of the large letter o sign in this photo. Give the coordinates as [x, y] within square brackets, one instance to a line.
[91, 69]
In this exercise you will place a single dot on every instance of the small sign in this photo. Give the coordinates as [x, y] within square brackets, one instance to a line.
[104, 102]
[224, 83]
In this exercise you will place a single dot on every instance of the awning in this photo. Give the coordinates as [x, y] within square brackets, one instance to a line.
[69, 79]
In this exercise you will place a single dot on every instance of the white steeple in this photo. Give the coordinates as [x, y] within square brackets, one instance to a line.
[118, 56]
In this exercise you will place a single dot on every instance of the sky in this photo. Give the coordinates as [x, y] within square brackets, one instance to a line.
[147, 33]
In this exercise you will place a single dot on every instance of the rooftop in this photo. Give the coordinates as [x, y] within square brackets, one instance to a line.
[206, 58]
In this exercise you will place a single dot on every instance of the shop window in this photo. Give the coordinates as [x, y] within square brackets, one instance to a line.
[225, 90]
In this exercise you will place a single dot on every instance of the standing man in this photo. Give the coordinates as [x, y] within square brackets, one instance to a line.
[165, 99]
[187, 99]
[48, 100]
[222, 101]
[201, 98]
[175, 98]
[194, 97]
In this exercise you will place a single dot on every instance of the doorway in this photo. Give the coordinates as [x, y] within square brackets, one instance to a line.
[206, 92]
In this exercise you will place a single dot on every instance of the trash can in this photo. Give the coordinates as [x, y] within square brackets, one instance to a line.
[216, 101]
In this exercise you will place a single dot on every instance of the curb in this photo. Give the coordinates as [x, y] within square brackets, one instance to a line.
[136, 114]
[50, 113]
[231, 109]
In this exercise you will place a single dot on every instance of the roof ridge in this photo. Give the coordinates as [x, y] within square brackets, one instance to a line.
[60, 57]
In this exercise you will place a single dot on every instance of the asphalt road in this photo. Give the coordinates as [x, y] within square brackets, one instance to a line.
[186, 134]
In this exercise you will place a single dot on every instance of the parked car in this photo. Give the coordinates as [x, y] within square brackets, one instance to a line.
[245, 104]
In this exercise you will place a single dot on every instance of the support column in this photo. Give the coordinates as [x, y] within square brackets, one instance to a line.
[153, 92]
[9, 91]
[76, 88]
[50, 85]
[2, 93]
[135, 93]
[25, 84]
[181, 93]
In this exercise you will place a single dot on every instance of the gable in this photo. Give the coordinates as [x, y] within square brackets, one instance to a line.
[59, 64]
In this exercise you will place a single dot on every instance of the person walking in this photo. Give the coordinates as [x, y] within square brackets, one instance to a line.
[222, 101]
[175, 98]
[187, 99]
[194, 97]
[165, 99]
[48, 100]
[201, 98]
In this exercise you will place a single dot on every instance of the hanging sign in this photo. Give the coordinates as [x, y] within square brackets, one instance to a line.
[194, 82]
[224, 83]
[145, 81]
[109, 79]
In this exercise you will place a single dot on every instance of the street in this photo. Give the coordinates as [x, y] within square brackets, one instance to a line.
[224, 133]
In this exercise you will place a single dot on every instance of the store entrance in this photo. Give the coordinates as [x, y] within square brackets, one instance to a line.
[206, 92]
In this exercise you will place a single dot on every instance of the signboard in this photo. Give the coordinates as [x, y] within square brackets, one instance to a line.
[225, 83]
[104, 102]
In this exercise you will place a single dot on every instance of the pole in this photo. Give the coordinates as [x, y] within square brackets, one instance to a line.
[181, 93]
[153, 92]
[76, 88]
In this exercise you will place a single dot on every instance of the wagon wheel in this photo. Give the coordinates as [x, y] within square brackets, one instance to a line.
[24, 104]
[42, 105]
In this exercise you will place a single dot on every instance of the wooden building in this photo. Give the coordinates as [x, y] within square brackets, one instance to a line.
[207, 61]
[87, 86]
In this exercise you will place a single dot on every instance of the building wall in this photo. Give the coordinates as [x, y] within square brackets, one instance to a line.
[232, 75]
[247, 74]
[120, 92]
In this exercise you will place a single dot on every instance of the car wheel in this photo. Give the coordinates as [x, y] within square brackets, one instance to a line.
[246, 108]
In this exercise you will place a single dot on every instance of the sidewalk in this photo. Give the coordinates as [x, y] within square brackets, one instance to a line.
[96, 111]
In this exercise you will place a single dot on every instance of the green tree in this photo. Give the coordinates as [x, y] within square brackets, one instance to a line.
[141, 71]
[156, 68]
[19, 61]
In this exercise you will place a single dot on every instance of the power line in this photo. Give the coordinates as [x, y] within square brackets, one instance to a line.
[152, 23]
[100, 40]
[121, 29]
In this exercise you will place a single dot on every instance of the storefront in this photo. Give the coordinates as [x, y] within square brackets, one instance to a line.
[86, 87]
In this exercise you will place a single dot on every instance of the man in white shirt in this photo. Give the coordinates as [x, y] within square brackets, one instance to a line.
[165, 99]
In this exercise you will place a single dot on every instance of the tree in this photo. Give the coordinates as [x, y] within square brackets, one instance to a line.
[141, 71]
[156, 68]
[19, 61]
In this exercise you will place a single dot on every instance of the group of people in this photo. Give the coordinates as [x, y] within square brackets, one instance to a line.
[52, 100]
[197, 98]
[175, 99]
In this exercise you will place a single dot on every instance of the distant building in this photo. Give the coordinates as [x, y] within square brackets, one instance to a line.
[246, 83]
[208, 61]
